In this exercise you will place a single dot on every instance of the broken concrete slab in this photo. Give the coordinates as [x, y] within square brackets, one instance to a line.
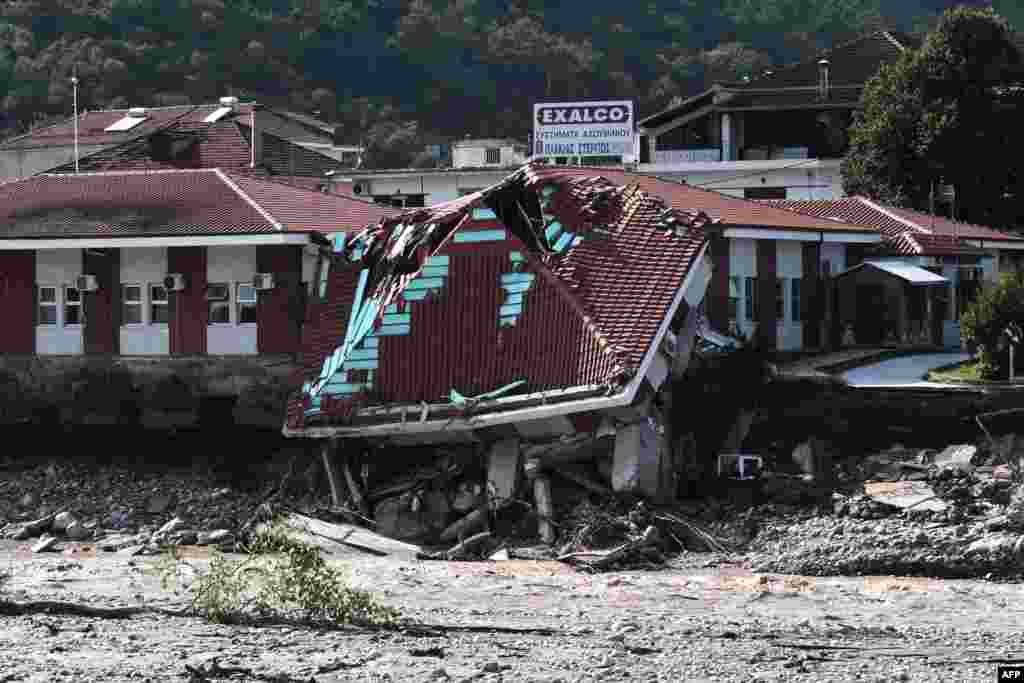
[503, 471]
[353, 536]
[636, 464]
[905, 495]
[31, 529]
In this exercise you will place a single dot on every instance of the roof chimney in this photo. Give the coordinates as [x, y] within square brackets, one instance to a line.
[823, 78]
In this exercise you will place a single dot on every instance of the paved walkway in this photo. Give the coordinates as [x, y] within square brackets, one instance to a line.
[904, 372]
[820, 363]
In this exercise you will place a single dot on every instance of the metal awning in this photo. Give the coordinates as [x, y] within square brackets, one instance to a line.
[908, 272]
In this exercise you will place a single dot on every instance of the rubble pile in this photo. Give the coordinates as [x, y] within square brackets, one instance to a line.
[958, 512]
[119, 507]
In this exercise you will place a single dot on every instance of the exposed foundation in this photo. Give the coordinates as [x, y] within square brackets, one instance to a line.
[145, 391]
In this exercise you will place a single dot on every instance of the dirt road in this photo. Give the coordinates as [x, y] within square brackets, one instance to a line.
[683, 624]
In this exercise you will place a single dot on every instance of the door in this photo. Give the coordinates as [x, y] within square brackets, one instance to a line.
[869, 327]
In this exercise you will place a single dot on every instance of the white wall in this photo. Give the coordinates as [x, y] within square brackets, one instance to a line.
[788, 266]
[58, 267]
[475, 156]
[144, 266]
[731, 178]
[743, 264]
[437, 186]
[231, 265]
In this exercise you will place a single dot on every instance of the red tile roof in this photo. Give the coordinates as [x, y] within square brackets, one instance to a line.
[732, 211]
[189, 202]
[908, 232]
[590, 311]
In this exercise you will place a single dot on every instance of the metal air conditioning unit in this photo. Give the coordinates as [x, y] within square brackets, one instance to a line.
[263, 281]
[174, 282]
[86, 283]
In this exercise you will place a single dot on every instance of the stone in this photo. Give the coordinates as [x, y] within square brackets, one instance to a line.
[29, 499]
[44, 544]
[500, 556]
[160, 503]
[957, 457]
[216, 537]
[62, 521]
[76, 531]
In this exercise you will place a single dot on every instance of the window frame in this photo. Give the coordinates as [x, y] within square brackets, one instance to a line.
[796, 313]
[55, 304]
[239, 303]
[225, 301]
[65, 305]
[492, 151]
[152, 303]
[735, 303]
[750, 298]
[140, 302]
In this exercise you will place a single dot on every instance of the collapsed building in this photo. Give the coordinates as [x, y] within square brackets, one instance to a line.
[533, 320]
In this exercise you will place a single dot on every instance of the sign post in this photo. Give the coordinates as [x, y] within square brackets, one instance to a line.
[584, 129]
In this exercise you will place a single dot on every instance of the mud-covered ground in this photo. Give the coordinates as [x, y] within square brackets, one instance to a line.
[688, 622]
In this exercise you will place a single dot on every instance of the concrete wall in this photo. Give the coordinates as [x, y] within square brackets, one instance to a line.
[22, 163]
[437, 186]
[475, 156]
[58, 268]
[822, 181]
[789, 266]
[234, 266]
[156, 392]
[144, 267]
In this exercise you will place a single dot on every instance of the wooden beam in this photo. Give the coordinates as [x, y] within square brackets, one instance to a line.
[327, 450]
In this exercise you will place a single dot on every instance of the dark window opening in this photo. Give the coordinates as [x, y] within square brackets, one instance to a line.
[492, 155]
[764, 193]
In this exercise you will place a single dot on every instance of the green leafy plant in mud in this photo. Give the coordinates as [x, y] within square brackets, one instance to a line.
[282, 578]
[984, 321]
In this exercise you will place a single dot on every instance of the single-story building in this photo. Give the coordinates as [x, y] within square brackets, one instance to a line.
[967, 257]
[196, 277]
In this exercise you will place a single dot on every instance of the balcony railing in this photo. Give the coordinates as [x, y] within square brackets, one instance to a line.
[682, 156]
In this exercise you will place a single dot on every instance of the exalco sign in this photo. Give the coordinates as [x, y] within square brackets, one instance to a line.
[554, 115]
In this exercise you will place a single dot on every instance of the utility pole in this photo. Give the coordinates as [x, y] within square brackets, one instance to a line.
[74, 89]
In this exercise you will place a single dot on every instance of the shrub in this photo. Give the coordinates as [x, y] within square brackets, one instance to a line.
[985, 320]
[282, 578]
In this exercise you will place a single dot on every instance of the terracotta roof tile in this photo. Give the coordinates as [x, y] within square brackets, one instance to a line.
[909, 232]
[177, 202]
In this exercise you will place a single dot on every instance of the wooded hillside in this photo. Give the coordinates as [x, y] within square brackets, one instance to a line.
[410, 68]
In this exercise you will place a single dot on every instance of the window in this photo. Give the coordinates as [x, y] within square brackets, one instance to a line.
[47, 305]
[219, 299]
[764, 193]
[780, 299]
[72, 306]
[158, 305]
[734, 298]
[131, 304]
[796, 311]
[492, 155]
[246, 299]
[750, 295]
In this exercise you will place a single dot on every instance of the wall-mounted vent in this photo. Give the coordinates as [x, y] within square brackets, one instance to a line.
[87, 283]
[175, 282]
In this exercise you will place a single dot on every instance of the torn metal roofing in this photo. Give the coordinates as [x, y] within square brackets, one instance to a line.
[908, 272]
[551, 286]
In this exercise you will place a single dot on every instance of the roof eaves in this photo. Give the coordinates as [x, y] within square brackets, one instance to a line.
[249, 200]
[681, 106]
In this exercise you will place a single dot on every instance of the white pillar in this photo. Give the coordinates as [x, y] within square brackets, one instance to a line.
[652, 146]
[727, 138]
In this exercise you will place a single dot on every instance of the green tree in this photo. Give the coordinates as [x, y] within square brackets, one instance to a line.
[937, 115]
[984, 322]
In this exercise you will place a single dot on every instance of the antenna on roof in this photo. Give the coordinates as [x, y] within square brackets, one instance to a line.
[74, 89]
